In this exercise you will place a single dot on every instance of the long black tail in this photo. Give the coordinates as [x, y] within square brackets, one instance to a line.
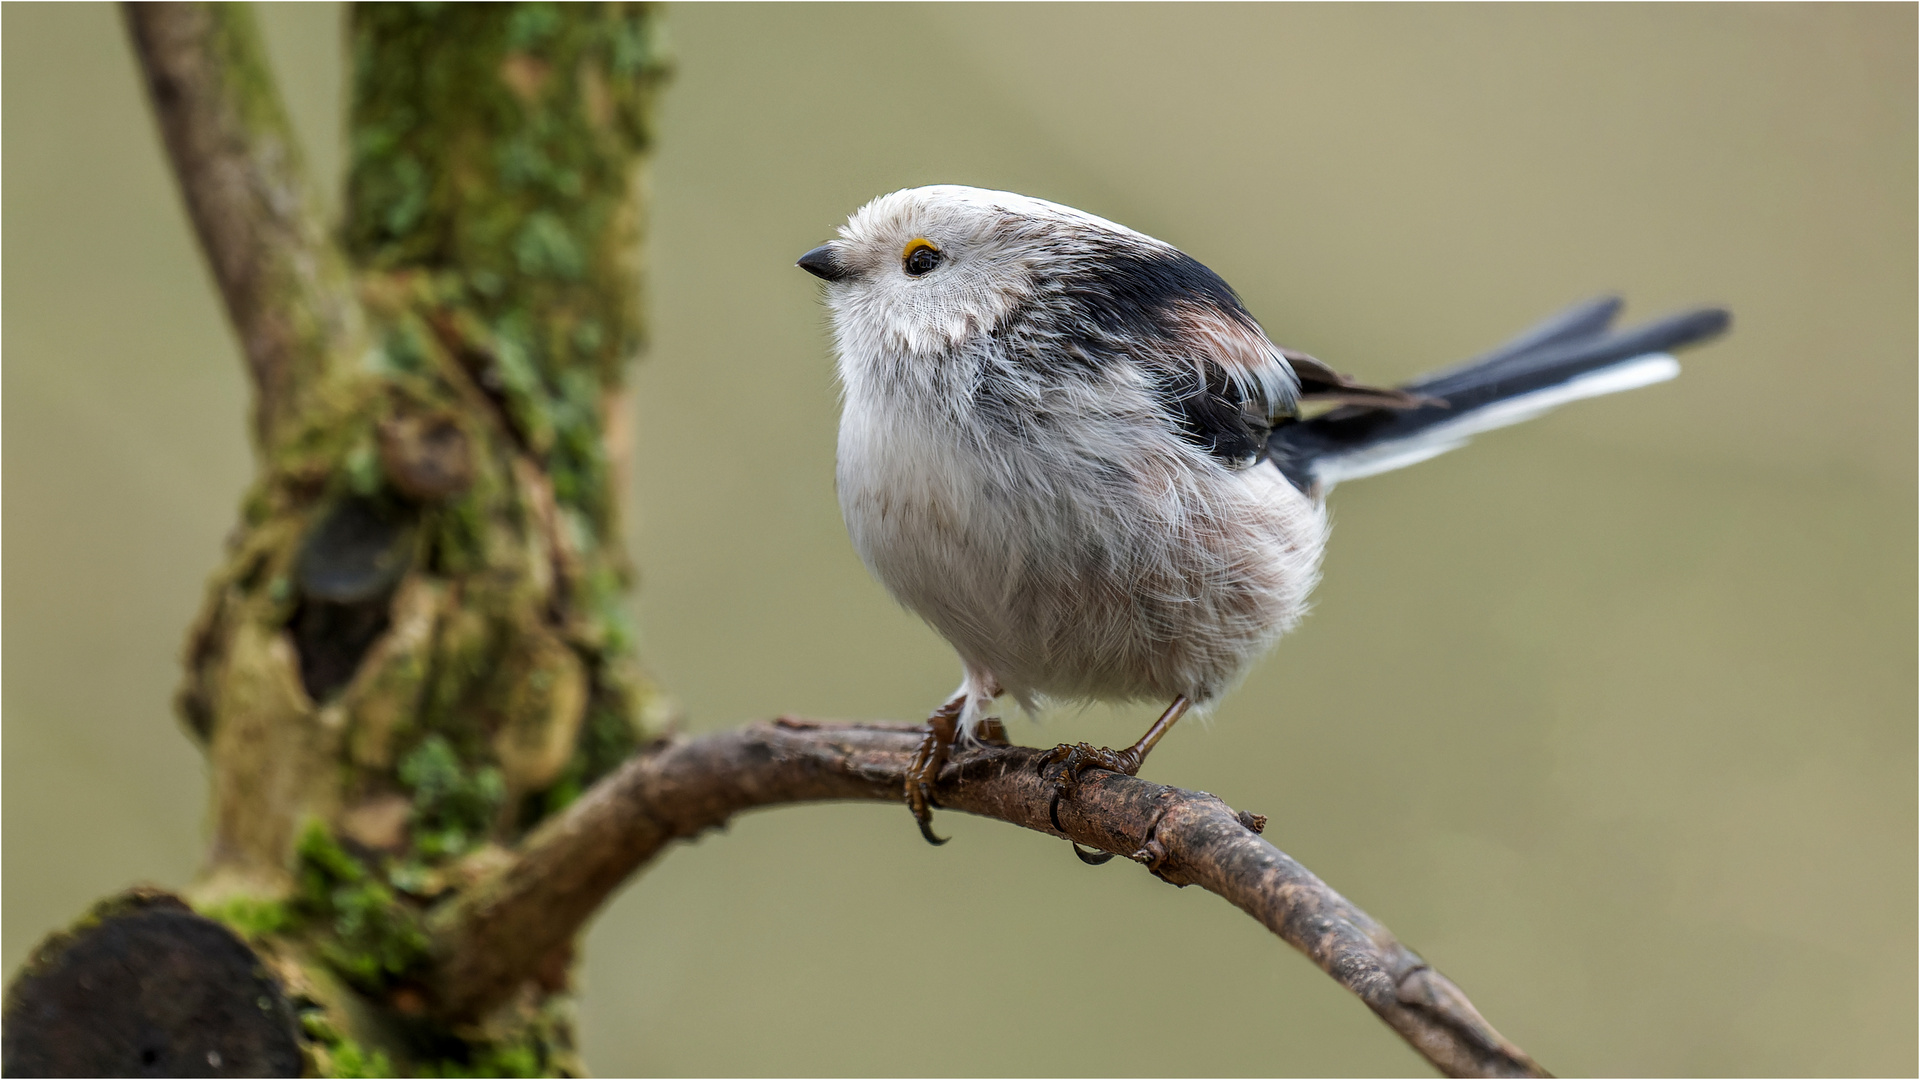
[1575, 354]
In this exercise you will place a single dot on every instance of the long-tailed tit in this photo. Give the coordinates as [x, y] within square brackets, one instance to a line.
[1069, 448]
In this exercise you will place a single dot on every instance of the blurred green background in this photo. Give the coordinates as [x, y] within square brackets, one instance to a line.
[1611, 717]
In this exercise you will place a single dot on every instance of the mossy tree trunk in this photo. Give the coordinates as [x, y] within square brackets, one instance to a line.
[416, 647]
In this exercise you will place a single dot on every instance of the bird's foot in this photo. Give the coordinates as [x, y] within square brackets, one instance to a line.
[992, 732]
[935, 747]
[1067, 762]
[1072, 759]
[920, 777]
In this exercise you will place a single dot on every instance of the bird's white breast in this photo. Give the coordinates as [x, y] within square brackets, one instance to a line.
[1100, 559]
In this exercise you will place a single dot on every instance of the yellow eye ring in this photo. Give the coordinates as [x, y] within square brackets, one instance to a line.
[919, 256]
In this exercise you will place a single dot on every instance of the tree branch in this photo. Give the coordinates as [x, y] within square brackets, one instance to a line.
[497, 933]
[285, 284]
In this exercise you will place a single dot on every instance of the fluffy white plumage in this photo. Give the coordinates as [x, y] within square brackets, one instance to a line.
[1010, 470]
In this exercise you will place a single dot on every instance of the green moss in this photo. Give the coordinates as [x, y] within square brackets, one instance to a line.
[373, 936]
[491, 201]
[324, 863]
[459, 535]
[532, 224]
[316, 448]
[516, 371]
[361, 469]
[253, 917]
[520, 1058]
[415, 878]
[407, 347]
[350, 1059]
[454, 808]
[540, 1047]
[607, 738]
[243, 55]
[344, 1057]
[540, 1044]
[603, 599]
[257, 505]
[493, 214]
[377, 938]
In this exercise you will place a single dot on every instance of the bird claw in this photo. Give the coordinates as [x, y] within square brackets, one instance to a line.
[923, 817]
[932, 753]
[1090, 857]
[1072, 760]
[920, 793]
[1076, 758]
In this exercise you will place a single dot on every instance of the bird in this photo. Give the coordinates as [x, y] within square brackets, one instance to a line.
[1071, 449]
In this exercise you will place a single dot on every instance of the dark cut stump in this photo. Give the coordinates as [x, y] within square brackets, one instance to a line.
[145, 987]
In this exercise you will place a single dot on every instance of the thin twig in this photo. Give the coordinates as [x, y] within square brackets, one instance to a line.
[496, 934]
[234, 153]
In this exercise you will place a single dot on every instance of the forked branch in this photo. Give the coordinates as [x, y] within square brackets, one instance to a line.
[496, 934]
[284, 282]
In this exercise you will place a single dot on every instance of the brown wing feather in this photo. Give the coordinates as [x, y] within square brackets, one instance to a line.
[1322, 385]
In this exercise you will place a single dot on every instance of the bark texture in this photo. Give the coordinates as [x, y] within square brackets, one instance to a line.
[416, 649]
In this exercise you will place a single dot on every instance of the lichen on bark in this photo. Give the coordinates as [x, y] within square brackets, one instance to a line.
[417, 647]
[530, 235]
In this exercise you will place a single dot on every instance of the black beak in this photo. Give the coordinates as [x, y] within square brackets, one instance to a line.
[820, 262]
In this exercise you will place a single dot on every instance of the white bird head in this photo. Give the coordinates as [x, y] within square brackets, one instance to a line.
[924, 269]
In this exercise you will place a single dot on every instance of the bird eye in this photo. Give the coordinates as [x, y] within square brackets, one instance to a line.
[920, 258]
